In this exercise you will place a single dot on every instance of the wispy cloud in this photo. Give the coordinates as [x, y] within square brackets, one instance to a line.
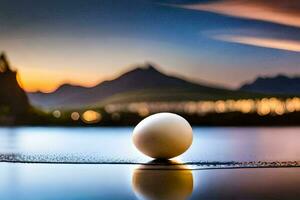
[274, 11]
[273, 43]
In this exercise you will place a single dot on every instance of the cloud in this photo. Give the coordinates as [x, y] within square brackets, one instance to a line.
[274, 11]
[281, 44]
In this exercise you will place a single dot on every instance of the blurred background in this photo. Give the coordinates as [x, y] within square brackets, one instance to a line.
[112, 63]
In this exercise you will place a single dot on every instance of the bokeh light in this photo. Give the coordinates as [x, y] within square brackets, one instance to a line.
[75, 116]
[56, 113]
[263, 107]
[91, 117]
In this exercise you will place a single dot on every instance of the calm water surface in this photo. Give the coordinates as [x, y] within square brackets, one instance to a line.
[128, 178]
[114, 144]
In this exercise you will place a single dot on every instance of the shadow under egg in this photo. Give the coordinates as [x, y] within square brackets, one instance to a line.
[163, 180]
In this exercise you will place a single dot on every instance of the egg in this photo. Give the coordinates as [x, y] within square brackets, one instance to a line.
[163, 135]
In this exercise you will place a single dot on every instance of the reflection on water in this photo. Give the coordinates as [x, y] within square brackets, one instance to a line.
[258, 184]
[151, 181]
[122, 182]
[98, 145]
[161, 182]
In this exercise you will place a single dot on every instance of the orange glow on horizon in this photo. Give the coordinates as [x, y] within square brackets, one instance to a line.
[34, 80]
[49, 88]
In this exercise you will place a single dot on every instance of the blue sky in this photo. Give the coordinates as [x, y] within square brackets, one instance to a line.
[85, 42]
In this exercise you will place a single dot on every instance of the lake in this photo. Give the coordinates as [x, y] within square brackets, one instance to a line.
[102, 163]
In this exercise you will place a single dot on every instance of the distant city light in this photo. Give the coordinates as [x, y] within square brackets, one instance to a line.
[263, 107]
[75, 116]
[91, 117]
[115, 116]
[220, 106]
[56, 114]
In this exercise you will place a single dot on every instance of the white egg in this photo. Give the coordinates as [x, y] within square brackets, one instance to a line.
[163, 135]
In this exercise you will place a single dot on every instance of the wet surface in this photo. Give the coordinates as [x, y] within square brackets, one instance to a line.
[89, 181]
[212, 147]
[81, 159]
[102, 163]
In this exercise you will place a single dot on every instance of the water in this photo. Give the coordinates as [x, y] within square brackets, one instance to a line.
[102, 163]
[113, 145]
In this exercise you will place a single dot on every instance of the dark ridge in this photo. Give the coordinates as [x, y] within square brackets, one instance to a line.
[280, 84]
[139, 78]
[14, 104]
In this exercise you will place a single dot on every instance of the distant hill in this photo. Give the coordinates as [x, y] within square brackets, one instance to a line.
[141, 83]
[14, 103]
[280, 84]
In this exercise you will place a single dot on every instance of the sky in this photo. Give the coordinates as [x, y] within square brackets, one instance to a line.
[223, 42]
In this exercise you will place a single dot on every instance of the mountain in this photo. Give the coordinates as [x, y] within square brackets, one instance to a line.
[279, 84]
[14, 103]
[141, 83]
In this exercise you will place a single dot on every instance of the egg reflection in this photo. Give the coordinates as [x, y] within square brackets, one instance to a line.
[167, 181]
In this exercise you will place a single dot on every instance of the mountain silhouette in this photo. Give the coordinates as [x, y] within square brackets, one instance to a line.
[14, 103]
[279, 84]
[141, 78]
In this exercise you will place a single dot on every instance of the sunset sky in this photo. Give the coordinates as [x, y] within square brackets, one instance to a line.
[225, 42]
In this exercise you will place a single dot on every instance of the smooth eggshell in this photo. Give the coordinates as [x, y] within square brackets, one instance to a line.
[163, 135]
